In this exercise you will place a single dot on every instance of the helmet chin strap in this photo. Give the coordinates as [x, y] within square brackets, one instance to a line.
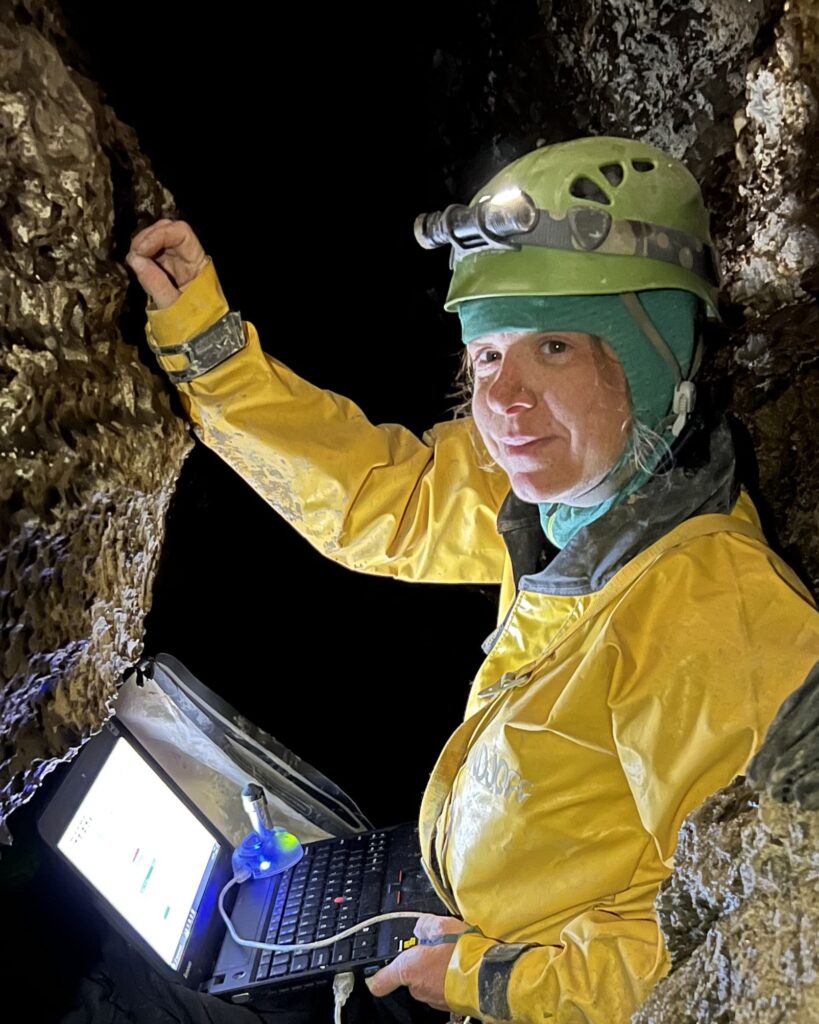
[681, 407]
[685, 393]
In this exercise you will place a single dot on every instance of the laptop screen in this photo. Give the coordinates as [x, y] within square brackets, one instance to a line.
[142, 849]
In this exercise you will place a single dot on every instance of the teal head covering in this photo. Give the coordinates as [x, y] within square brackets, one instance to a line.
[650, 377]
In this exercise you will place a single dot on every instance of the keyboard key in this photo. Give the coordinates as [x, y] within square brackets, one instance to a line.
[363, 946]
[321, 957]
[300, 962]
[341, 951]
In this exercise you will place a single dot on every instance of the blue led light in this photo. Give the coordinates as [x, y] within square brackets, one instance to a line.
[267, 854]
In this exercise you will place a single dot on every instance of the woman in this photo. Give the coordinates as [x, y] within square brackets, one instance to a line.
[647, 634]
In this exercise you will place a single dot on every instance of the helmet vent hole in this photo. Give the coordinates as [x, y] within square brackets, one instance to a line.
[643, 166]
[613, 173]
[585, 188]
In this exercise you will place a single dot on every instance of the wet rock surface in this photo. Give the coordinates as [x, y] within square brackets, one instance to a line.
[740, 915]
[768, 239]
[89, 447]
[670, 74]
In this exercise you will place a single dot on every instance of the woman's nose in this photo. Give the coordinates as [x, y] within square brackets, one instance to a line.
[509, 391]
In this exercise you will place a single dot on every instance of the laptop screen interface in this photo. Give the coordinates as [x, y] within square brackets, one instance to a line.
[142, 849]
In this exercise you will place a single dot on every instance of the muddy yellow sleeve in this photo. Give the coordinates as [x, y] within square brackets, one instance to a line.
[603, 969]
[374, 498]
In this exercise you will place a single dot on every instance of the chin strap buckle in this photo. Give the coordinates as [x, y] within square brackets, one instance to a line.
[685, 395]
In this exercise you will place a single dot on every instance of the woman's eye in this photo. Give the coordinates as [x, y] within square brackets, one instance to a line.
[487, 356]
[554, 346]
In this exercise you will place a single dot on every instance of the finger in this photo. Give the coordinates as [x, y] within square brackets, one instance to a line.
[170, 264]
[389, 978]
[154, 280]
[140, 235]
[179, 271]
[177, 235]
[162, 235]
[175, 247]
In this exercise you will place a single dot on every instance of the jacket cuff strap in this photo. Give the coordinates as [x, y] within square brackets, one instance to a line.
[494, 975]
[210, 348]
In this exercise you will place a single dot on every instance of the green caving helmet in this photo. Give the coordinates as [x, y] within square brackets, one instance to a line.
[614, 216]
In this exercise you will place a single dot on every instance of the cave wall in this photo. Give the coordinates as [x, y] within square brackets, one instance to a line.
[89, 447]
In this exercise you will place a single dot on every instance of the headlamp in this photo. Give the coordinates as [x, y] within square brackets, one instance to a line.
[491, 223]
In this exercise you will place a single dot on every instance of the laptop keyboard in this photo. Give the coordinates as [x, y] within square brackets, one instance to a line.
[331, 888]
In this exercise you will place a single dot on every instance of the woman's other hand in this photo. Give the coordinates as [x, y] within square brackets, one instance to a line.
[166, 257]
[422, 968]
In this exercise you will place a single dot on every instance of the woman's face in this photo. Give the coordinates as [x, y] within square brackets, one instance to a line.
[552, 408]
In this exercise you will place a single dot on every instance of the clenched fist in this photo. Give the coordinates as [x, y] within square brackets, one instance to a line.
[166, 257]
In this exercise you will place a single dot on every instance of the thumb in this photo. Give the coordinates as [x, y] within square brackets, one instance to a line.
[153, 279]
[387, 980]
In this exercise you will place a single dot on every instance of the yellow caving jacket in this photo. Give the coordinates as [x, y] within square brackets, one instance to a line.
[629, 678]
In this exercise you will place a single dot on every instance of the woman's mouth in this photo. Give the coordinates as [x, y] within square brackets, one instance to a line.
[521, 446]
